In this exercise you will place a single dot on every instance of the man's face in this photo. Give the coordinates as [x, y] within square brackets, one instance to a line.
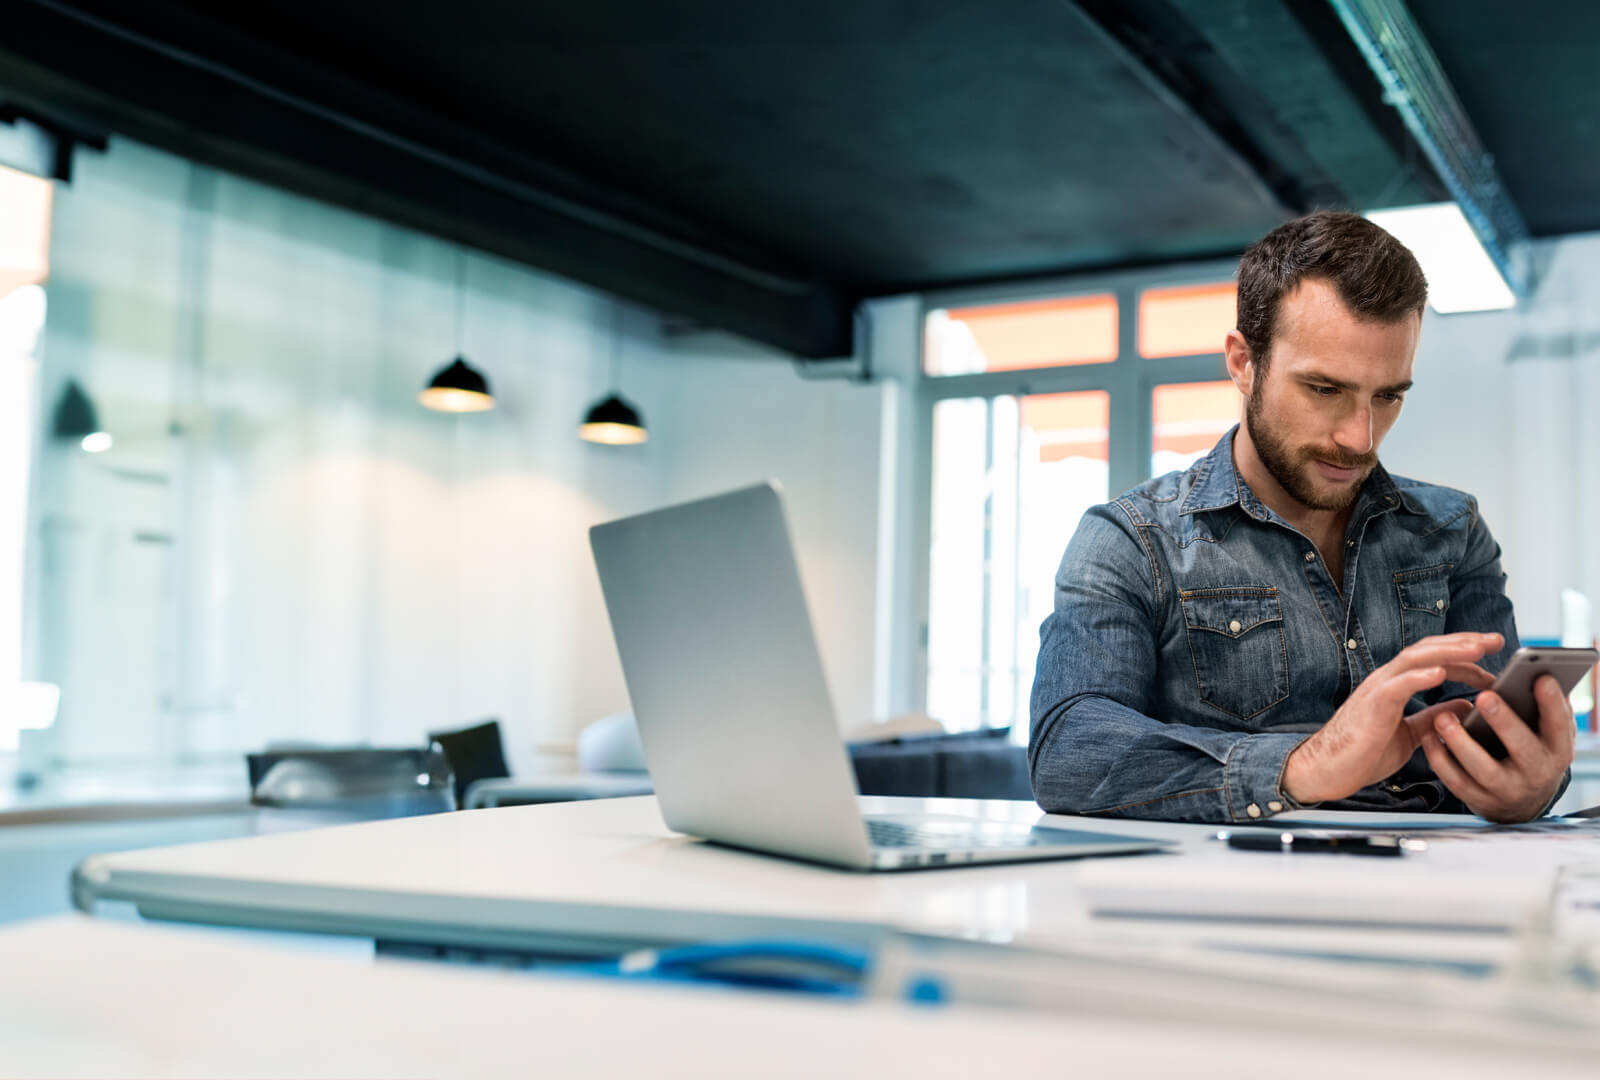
[1332, 389]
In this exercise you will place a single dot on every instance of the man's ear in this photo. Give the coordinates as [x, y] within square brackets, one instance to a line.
[1241, 364]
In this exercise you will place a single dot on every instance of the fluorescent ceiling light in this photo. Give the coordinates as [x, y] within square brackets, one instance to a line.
[1461, 276]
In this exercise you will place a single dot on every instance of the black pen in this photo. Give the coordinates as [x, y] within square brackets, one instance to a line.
[1301, 843]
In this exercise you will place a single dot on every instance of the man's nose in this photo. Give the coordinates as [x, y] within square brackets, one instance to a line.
[1354, 435]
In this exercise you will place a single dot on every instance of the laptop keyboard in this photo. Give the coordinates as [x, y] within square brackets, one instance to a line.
[961, 835]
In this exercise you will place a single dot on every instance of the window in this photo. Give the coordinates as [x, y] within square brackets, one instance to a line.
[24, 262]
[1039, 409]
[1187, 421]
[1186, 321]
[1020, 336]
[1012, 475]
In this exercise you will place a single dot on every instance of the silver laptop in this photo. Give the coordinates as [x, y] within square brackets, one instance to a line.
[734, 713]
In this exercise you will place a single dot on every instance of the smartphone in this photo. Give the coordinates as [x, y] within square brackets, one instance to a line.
[1515, 686]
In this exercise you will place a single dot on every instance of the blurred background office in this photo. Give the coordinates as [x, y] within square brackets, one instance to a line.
[950, 273]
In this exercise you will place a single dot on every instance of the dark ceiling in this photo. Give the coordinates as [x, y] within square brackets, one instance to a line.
[1529, 76]
[761, 167]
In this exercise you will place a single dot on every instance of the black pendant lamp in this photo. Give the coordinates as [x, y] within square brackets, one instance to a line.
[77, 420]
[612, 420]
[458, 387]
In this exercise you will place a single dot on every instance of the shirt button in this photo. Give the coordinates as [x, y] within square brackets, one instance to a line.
[1349, 543]
[1236, 626]
[1439, 604]
[1274, 806]
[1351, 644]
[1253, 810]
[1311, 556]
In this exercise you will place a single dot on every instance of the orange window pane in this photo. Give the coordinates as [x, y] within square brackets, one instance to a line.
[1029, 334]
[1185, 321]
[1189, 419]
[24, 229]
[1073, 425]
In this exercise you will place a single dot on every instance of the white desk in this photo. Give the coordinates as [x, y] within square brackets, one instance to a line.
[80, 997]
[594, 876]
[606, 876]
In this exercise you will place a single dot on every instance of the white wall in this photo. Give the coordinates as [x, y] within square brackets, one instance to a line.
[1503, 408]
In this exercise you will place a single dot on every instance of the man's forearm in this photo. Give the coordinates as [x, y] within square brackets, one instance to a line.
[1093, 755]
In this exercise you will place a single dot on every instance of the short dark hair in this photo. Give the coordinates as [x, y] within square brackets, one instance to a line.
[1376, 275]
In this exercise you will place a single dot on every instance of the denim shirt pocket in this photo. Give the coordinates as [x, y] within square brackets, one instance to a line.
[1424, 601]
[1236, 640]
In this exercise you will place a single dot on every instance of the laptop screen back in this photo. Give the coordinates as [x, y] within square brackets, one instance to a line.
[726, 681]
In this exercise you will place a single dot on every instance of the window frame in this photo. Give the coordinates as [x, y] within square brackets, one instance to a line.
[1129, 380]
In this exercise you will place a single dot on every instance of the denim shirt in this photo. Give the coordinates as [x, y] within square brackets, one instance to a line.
[1198, 638]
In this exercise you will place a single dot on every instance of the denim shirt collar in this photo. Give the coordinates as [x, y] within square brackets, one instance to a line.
[1218, 485]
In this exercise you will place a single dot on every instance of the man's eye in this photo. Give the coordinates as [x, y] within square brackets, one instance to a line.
[1325, 391]
[1392, 398]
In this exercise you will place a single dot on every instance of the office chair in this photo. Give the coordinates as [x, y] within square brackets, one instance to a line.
[356, 783]
[474, 753]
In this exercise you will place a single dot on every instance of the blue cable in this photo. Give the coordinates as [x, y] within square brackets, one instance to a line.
[805, 966]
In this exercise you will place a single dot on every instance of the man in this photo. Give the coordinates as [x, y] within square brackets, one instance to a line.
[1285, 624]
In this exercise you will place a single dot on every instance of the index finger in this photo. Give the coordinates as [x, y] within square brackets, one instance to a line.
[1448, 648]
[1461, 637]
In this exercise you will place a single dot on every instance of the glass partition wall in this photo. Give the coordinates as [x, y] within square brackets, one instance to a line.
[25, 204]
[201, 565]
[239, 526]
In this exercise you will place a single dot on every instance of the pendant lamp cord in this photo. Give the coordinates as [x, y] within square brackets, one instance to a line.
[461, 297]
[616, 348]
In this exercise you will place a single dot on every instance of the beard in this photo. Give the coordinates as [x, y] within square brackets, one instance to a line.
[1294, 467]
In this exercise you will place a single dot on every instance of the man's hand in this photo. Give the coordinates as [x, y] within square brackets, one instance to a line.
[1370, 736]
[1521, 786]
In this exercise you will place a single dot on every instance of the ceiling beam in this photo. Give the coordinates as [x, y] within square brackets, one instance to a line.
[1168, 51]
